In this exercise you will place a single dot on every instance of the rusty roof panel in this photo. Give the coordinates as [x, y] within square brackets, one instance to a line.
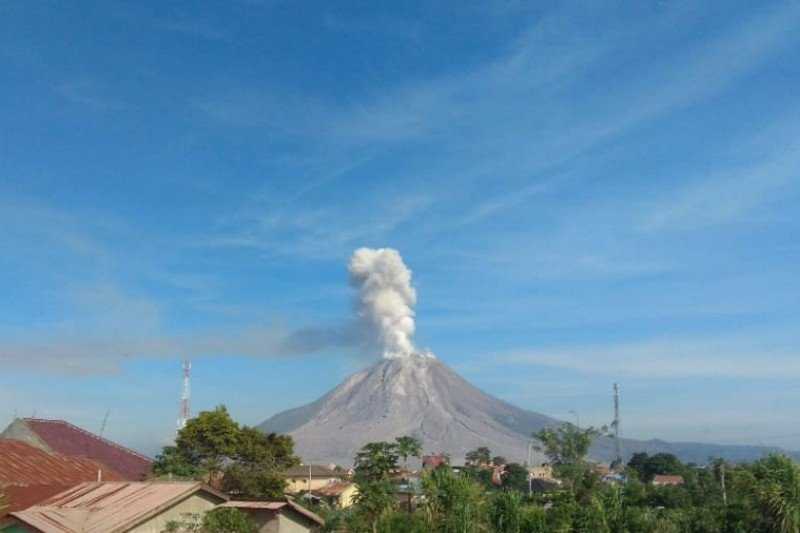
[67, 439]
[28, 474]
[107, 507]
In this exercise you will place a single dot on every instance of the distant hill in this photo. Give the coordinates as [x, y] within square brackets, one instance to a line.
[422, 397]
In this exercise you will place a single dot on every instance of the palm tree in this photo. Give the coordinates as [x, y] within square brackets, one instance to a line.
[779, 492]
[408, 447]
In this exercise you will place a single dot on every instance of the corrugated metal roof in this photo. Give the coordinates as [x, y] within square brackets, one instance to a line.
[275, 507]
[67, 439]
[28, 475]
[107, 507]
[269, 506]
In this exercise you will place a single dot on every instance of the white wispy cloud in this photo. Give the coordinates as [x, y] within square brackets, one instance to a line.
[512, 122]
[733, 193]
[732, 356]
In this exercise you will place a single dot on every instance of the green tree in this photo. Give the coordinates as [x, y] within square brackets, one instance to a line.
[505, 512]
[254, 482]
[214, 447]
[479, 456]
[376, 461]
[209, 439]
[408, 447]
[172, 462]
[453, 504]
[778, 492]
[219, 520]
[515, 477]
[648, 466]
[567, 446]
[228, 520]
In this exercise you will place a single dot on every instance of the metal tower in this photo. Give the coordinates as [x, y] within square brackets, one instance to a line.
[617, 443]
[185, 413]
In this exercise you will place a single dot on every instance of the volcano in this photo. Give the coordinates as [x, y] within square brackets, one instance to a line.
[418, 396]
[422, 397]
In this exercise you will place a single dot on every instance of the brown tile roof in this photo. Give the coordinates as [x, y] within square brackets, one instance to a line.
[660, 479]
[275, 507]
[29, 475]
[106, 507]
[334, 489]
[67, 439]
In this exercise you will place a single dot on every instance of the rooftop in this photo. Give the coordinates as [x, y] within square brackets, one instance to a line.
[316, 471]
[105, 507]
[275, 507]
[333, 489]
[29, 475]
[61, 437]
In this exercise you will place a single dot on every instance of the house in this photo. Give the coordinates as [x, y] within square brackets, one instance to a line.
[279, 517]
[662, 480]
[58, 436]
[310, 478]
[29, 475]
[543, 471]
[115, 507]
[339, 494]
[431, 462]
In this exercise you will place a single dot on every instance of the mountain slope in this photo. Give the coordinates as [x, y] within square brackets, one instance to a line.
[422, 397]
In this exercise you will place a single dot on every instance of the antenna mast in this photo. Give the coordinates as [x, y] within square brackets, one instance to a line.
[185, 414]
[617, 443]
[105, 421]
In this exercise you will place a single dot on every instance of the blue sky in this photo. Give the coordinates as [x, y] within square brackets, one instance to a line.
[586, 193]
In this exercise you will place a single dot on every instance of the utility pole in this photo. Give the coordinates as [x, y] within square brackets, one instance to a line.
[185, 411]
[617, 443]
[722, 482]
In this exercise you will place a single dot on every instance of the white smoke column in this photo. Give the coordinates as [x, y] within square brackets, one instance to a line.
[386, 298]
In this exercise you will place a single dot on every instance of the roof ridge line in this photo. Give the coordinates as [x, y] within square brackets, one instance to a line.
[90, 434]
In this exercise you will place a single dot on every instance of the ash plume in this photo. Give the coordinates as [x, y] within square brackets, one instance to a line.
[386, 299]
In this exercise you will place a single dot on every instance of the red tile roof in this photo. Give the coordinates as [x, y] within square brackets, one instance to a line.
[29, 475]
[67, 439]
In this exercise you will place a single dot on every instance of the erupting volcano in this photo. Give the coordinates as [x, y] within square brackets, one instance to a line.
[411, 392]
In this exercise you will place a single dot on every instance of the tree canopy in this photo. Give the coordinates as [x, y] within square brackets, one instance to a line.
[243, 460]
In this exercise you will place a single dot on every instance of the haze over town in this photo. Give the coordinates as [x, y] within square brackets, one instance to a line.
[585, 195]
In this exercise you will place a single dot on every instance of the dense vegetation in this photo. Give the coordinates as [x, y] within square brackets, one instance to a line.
[760, 497]
[491, 495]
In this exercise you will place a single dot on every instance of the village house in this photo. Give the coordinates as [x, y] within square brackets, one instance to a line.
[279, 517]
[663, 480]
[121, 507]
[339, 494]
[543, 471]
[310, 478]
[434, 461]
